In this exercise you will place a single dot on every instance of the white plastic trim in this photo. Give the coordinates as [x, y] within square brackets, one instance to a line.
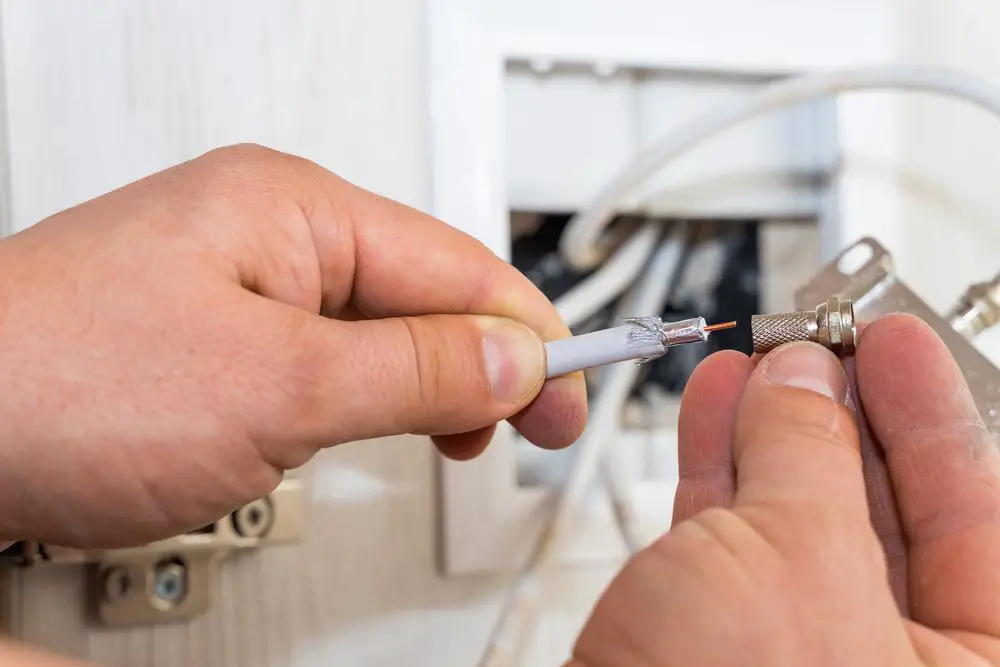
[489, 523]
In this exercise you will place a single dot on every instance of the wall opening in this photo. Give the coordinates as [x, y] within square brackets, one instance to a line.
[570, 127]
[718, 277]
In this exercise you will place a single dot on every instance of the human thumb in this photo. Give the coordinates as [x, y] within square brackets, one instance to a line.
[434, 374]
[796, 442]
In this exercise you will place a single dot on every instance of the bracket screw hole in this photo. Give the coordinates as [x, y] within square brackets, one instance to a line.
[253, 519]
[118, 584]
[854, 259]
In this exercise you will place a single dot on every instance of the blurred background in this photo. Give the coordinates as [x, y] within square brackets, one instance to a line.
[505, 118]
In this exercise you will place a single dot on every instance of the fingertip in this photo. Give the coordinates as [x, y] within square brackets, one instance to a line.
[708, 407]
[898, 333]
[724, 365]
[557, 416]
[513, 358]
[464, 446]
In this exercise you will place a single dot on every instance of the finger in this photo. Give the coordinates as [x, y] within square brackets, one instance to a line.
[439, 269]
[434, 375]
[386, 259]
[881, 498]
[953, 648]
[796, 444]
[15, 654]
[464, 446]
[705, 433]
[945, 470]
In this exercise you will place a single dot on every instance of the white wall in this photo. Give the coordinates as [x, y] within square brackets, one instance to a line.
[101, 93]
[951, 155]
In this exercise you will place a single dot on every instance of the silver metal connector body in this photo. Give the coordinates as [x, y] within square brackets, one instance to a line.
[684, 331]
[830, 324]
[978, 309]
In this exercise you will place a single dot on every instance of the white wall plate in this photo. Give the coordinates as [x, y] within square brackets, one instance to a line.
[489, 522]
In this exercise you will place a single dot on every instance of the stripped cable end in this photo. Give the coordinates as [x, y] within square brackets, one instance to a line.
[720, 326]
[647, 333]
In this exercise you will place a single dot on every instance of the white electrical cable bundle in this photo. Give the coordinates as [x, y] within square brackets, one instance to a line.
[580, 242]
[613, 277]
[581, 247]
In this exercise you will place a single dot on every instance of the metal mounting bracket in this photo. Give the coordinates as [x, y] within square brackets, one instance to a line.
[171, 580]
[876, 290]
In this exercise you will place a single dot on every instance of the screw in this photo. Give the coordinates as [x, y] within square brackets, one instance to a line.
[170, 581]
[253, 519]
[118, 583]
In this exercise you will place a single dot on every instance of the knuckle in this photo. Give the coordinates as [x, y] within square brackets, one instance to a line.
[291, 373]
[788, 525]
[427, 363]
[719, 553]
[250, 183]
[819, 429]
[249, 169]
[243, 153]
[297, 376]
[480, 288]
[783, 412]
[712, 536]
[795, 531]
[446, 382]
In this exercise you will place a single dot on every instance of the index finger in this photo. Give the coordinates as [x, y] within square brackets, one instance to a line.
[409, 263]
[398, 261]
[383, 259]
[945, 469]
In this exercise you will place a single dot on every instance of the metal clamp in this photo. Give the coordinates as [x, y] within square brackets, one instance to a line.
[171, 580]
[876, 290]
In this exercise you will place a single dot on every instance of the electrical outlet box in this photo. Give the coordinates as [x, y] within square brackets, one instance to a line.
[535, 105]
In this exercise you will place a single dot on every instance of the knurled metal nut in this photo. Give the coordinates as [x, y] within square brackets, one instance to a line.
[830, 324]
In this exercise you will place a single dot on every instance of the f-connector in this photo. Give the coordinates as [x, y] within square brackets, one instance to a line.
[830, 324]
[978, 310]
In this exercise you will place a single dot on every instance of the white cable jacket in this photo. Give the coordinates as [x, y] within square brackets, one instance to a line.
[608, 346]
[613, 277]
[580, 243]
